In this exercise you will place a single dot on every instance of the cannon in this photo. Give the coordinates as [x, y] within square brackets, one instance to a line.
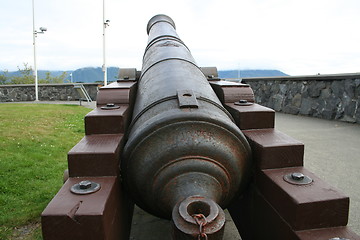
[183, 144]
[182, 137]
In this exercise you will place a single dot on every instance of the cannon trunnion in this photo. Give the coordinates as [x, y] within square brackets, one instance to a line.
[184, 145]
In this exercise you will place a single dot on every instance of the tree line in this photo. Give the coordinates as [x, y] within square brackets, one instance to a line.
[26, 76]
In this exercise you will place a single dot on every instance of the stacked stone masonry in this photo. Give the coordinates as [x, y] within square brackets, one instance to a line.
[47, 92]
[332, 97]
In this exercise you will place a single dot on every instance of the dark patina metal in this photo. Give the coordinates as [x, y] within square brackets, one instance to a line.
[110, 106]
[243, 102]
[85, 187]
[182, 142]
[297, 178]
[198, 218]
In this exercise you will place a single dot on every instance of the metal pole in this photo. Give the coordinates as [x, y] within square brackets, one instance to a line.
[34, 43]
[104, 57]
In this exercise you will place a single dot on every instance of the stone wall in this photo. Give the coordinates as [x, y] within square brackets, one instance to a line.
[333, 97]
[47, 92]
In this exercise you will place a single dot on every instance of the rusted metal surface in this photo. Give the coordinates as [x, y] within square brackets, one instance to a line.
[238, 99]
[105, 214]
[315, 205]
[96, 155]
[231, 92]
[114, 109]
[198, 218]
[121, 92]
[182, 141]
[251, 116]
[257, 219]
[274, 149]
[108, 121]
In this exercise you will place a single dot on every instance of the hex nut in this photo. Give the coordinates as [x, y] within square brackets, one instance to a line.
[297, 176]
[85, 184]
[85, 187]
[110, 106]
[243, 102]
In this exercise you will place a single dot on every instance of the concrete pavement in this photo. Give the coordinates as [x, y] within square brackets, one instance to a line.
[332, 152]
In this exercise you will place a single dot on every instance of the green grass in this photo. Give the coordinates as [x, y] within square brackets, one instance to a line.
[34, 141]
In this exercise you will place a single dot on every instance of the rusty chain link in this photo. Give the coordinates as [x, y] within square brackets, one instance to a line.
[201, 221]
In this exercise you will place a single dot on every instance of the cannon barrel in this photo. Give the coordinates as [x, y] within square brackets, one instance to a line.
[181, 156]
[182, 143]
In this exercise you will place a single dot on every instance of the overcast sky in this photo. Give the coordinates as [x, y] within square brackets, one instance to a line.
[298, 37]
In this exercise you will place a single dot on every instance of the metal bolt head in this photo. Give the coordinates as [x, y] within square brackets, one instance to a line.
[110, 106]
[297, 176]
[243, 102]
[85, 184]
[85, 187]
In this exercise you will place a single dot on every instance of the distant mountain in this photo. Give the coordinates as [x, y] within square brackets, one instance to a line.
[91, 74]
[96, 74]
[250, 73]
[83, 75]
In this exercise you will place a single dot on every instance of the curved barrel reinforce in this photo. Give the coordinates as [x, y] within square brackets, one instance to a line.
[182, 142]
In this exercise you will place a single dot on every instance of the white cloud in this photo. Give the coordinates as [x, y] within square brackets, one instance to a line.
[297, 37]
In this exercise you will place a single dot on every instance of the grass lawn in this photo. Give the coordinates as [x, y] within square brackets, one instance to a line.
[34, 141]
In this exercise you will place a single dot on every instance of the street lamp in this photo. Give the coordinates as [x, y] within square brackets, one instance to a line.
[105, 24]
[35, 33]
